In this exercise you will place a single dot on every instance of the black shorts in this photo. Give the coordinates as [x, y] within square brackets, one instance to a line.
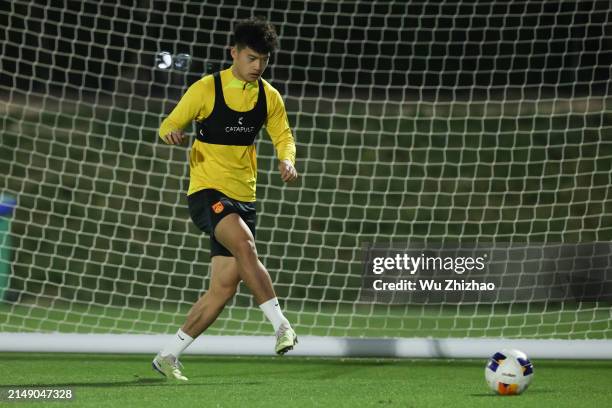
[207, 207]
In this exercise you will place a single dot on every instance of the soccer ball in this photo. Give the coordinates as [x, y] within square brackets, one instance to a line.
[509, 372]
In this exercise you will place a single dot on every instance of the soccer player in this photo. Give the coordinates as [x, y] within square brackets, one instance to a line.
[229, 108]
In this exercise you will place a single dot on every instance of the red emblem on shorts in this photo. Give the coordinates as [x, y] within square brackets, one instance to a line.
[217, 207]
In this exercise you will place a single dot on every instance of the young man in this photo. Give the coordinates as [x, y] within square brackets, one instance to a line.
[230, 107]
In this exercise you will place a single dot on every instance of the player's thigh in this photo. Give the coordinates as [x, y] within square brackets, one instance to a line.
[224, 273]
[234, 234]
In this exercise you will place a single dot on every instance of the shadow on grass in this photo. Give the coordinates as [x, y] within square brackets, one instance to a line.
[530, 392]
[289, 360]
[138, 382]
[323, 361]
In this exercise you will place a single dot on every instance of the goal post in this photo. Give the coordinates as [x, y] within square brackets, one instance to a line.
[418, 122]
[309, 346]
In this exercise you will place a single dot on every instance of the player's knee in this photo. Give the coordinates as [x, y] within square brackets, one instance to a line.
[245, 248]
[225, 291]
[228, 292]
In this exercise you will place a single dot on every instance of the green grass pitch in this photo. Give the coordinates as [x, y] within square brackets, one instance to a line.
[128, 381]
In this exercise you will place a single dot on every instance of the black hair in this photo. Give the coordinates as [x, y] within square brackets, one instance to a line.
[257, 34]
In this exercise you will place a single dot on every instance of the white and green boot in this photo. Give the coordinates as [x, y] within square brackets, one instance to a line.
[168, 366]
[285, 339]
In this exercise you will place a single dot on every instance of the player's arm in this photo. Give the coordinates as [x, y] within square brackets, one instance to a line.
[188, 109]
[279, 130]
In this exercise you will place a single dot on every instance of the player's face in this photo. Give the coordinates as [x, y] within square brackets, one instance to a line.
[249, 64]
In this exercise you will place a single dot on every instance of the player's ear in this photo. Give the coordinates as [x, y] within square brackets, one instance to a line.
[234, 52]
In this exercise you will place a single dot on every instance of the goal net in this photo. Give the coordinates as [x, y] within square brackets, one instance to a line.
[417, 123]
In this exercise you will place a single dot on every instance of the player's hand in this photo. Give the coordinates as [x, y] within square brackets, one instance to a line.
[287, 171]
[175, 137]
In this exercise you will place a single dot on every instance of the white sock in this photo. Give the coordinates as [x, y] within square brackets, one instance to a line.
[273, 312]
[178, 344]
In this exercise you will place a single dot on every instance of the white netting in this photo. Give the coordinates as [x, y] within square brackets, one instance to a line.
[416, 121]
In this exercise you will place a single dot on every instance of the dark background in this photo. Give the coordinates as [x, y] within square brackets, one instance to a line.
[414, 121]
[385, 48]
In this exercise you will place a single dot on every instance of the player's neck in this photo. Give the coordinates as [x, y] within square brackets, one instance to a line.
[238, 76]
